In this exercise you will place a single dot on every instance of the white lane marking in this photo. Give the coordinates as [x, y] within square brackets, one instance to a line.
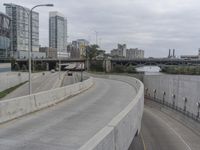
[188, 147]
[144, 145]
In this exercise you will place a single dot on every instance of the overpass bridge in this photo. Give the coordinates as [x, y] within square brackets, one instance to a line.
[108, 64]
[154, 61]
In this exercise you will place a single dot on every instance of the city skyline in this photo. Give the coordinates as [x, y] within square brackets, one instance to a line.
[154, 26]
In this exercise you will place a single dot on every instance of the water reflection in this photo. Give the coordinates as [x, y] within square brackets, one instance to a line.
[149, 70]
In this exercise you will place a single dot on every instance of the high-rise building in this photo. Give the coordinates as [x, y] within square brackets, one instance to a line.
[134, 53]
[123, 52]
[120, 51]
[58, 32]
[82, 44]
[4, 35]
[78, 48]
[19, 28]
[122, 47]
[50, 52]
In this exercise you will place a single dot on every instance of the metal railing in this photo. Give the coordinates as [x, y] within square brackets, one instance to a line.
[173, 106]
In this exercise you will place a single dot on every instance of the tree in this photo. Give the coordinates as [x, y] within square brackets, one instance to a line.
[92, 51]
[131, 69]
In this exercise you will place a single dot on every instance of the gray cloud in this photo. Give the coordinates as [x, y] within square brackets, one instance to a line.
[153, 25]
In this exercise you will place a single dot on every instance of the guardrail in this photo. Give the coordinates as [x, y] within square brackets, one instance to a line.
[17, 107]
[119, 132]
[183, 110]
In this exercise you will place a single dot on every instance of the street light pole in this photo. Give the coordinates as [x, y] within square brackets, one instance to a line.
[96, 37]
[31, 42]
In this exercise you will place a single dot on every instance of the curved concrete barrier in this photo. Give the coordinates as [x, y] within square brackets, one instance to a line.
[17, 107]
[119, 133]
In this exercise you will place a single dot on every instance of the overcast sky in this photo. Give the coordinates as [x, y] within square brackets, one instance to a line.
[152, 25]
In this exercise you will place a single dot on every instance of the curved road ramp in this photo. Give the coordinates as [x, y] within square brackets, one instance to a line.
[105, 117]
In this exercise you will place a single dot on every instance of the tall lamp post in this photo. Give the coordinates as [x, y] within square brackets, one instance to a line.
[31, 42]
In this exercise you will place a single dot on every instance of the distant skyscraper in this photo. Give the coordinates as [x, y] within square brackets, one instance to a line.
[122, 47]
[120, 51]
[19, 28]
[58, 32]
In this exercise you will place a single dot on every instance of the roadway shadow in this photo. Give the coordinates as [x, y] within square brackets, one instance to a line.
[137, 143]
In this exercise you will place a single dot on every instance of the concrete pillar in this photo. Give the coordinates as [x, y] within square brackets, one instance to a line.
[47, 66]
[87, 65]
[107, 65]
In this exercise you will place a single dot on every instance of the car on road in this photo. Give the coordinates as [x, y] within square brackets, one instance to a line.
[69, 73]
[53, 71]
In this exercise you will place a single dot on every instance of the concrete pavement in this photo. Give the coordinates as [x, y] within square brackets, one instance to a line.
[70, 124]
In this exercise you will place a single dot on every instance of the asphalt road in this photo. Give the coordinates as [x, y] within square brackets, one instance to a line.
[39, 84]
[70, 124]
[165, 129]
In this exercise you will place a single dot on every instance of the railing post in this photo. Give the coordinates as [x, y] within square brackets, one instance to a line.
[164, 97]
[146, 91]
[154, 94]
[173, 100]
[198, 109]
[185, 102]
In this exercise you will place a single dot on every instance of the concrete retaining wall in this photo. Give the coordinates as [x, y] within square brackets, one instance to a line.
[16, 107]
[119, 133]
[11, 79]
[177, 88]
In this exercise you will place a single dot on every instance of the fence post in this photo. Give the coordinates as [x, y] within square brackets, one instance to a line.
[146, 90]
[198, 108]
[173, 100]
[154, 92]
[164, 97]
[185, 102]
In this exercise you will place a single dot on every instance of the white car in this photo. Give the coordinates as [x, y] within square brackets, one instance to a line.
[53, 71]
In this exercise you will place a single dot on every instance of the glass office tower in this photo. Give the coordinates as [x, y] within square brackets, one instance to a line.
[19, 28]
[58, 32]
